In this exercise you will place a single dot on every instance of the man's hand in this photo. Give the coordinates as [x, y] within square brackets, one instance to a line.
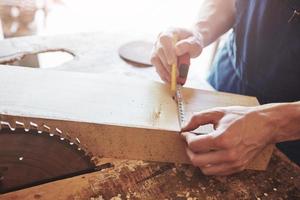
[165, 52]
[240, 134]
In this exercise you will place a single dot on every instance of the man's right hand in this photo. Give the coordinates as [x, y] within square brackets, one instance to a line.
[165, 52]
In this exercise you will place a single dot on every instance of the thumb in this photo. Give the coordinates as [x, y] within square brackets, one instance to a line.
[190, 45]
[203, 118]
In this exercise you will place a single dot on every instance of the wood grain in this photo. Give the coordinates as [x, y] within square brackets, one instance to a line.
[88, 98]
[114, 116]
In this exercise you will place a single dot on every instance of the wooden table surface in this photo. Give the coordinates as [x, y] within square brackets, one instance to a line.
[129, 179]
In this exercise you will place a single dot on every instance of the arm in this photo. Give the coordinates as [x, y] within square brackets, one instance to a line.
[215, 18]
[240, 134]
[286, 118]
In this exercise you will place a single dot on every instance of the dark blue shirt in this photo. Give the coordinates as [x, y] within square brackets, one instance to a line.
[262, 56]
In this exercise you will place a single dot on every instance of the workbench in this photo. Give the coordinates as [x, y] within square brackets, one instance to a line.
[135, 179]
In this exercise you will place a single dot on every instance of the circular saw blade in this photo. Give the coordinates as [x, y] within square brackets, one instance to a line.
[29, 156]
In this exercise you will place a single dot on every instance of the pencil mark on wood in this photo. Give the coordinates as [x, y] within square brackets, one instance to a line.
[155, 115]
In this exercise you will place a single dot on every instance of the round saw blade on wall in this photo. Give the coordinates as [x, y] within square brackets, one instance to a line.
[29, 156]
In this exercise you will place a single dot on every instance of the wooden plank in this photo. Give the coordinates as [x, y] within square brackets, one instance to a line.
[114, 116]
[87, 98]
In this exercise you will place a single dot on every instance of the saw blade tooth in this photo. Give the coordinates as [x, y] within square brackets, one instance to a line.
[33, 126]
[26, 129]
[77, 142]
[58, 131]
[46, 128]
[12, 128]
[66, 136]
[39, 129]
[43, 128]
[60, 134]
[1, 125]
[69, 139]
[8, 125]
[19, 124]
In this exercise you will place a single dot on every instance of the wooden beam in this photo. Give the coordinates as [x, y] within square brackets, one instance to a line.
[114, 116]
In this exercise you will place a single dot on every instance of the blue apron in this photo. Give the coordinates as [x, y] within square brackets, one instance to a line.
[262, 56]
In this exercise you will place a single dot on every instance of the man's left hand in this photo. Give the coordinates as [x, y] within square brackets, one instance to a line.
[240, 134]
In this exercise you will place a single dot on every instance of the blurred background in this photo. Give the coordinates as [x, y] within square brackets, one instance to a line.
[134, 19]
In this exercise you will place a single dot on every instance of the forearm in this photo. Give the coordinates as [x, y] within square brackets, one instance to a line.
[285, 120]
[215, 18]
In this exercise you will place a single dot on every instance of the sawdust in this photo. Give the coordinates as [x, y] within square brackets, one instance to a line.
[97, 198]
[157, 181]
[133, 165]
[118, 197]
[189, 172]
[192, 198]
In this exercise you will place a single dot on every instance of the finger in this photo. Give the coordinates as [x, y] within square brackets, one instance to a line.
[164, 75]
[221, 169]
[203, 118]
[209, 158]
[167, 38]
[165, 80]
[163, 60]
[167, 41]
[199, 143]
[190, 45]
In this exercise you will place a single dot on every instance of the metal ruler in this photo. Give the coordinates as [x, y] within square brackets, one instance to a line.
[180, 106]
[205, 129]
[183, 67]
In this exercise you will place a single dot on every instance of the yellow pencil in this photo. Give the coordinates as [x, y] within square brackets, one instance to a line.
[173, 73]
